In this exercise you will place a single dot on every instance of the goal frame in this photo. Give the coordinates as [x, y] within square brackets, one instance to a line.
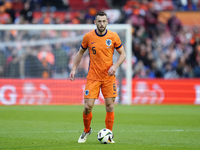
[116, 27]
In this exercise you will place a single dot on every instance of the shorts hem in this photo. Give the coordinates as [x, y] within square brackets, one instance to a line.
[110, 96]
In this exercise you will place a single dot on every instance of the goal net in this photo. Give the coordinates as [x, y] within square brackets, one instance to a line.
[35, 62]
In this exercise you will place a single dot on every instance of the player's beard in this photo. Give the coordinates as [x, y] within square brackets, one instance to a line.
[101, 29]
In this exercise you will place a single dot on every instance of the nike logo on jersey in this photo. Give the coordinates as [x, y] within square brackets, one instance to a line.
[93, 42]
[114, 93]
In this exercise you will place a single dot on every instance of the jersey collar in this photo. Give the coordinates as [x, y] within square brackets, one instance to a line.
[100, 35]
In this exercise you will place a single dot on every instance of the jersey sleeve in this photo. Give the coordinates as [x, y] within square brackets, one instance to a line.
[84, 43]
[118, 43]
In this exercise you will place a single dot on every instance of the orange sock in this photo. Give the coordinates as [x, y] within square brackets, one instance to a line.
[86, 121]
[109, 120]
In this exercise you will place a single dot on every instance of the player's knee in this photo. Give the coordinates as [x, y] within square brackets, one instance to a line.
[109, 107]
[88, 108]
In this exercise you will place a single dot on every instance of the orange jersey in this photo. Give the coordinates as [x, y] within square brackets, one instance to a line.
[101, 49]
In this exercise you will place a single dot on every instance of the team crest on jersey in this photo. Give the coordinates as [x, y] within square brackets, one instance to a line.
[108, 42]
[87, 92]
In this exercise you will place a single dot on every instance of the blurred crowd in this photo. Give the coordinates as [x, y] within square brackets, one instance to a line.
[160, 50]
[41, 53]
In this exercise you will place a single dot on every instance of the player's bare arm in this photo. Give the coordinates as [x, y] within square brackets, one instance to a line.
[114, 67]
[76, 62]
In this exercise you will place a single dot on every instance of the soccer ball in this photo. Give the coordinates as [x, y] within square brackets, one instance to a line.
[105, 136]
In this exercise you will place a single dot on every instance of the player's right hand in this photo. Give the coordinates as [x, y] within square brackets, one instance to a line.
[71, 76]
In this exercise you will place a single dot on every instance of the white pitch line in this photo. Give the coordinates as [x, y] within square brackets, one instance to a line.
[98, 131]
[165, 131]
[37, 131]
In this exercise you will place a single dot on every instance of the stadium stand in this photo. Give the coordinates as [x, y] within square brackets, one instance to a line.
[165, 44]
[85, 4]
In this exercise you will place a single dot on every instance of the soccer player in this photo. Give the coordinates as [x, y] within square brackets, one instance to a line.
[101, 75]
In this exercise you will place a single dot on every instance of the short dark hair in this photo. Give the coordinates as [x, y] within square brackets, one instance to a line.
[101, 13]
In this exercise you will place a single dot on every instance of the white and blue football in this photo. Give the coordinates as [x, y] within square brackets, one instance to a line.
[105, 136]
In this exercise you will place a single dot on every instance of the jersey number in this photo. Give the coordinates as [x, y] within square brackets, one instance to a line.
[93, 50]
[114, 87]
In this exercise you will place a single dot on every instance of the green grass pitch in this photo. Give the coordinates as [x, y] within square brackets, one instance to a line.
[139, 127]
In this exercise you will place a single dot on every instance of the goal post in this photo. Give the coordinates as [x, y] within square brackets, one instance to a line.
[124, 29]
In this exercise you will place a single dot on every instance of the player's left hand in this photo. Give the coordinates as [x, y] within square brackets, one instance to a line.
[71, 76]
[112, 70]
